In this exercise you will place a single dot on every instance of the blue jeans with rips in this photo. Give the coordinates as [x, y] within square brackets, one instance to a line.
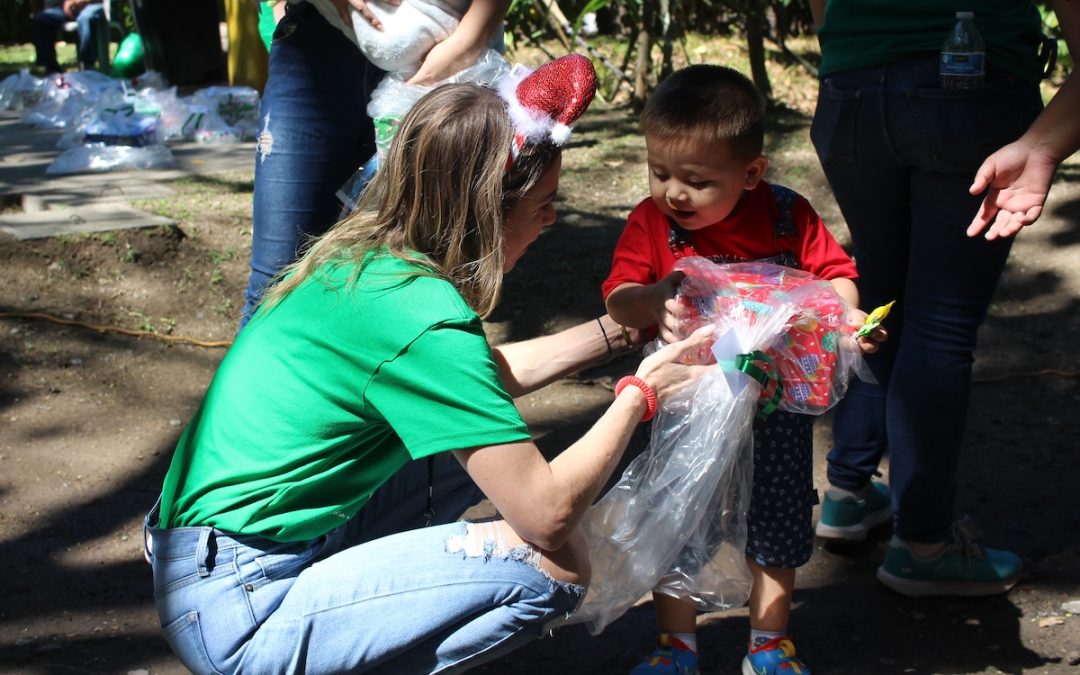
[314, 133]
[48, 21]
[374, 596]
[900, 154]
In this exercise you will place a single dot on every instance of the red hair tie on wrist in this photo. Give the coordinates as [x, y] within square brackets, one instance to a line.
[649, 392]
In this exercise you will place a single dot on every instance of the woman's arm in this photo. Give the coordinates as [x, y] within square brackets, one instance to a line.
[543, 502]
[465, 44]
[527, 366]
[1019, 175]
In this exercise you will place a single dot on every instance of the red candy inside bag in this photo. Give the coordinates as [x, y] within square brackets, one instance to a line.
[796, 319]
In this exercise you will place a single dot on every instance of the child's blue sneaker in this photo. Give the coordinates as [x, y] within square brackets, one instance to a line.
[775, 657]
[964, 567]
[671, 657]
[850, 519]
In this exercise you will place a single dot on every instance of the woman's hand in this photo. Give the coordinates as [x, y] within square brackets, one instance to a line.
[465, 44]
[444, 60]
[1017, 179]
[668, 371]
[361, 6]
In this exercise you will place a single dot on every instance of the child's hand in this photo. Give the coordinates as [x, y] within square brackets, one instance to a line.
[669, 314]
[870, 342]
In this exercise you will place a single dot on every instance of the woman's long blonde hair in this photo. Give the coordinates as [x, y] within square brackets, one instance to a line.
[442, 193]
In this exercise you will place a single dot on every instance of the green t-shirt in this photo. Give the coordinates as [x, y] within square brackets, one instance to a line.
[865, 33]
[325, 396]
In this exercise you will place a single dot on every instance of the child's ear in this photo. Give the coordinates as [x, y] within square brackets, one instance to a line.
[755, 171]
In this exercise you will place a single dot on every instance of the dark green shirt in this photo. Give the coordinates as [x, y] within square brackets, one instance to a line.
[865, 33]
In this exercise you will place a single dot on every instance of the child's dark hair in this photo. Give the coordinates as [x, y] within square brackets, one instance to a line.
[708, 103]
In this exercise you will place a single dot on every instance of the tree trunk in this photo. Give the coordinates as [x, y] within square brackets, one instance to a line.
[667, 44]
[755, 43]
[644, 55]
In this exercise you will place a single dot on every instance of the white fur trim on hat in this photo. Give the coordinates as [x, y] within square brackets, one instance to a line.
[533, 125]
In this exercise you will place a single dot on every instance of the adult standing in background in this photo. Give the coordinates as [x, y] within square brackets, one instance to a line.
[901, 154]
[314, 127]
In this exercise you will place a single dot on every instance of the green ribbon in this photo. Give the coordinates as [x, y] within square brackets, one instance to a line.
[748, 363]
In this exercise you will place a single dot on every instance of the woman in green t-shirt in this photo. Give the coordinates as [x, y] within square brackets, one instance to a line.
[268, 553]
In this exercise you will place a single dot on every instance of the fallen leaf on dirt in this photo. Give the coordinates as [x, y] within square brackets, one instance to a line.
[1048, 621]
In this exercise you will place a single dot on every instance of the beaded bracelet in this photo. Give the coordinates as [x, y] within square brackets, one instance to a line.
[649, 392]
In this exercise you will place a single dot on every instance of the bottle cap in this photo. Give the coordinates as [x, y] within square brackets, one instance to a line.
[965, 15]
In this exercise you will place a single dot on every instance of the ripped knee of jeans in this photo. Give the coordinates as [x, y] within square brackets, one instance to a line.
[266, 139]
[485, 540]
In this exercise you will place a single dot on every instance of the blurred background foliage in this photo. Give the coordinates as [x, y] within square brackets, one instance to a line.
[634, 43]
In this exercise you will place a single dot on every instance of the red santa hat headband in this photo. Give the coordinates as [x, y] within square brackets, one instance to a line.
[543, 103]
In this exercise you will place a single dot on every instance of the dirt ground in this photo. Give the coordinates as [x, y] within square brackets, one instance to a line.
[88, 421]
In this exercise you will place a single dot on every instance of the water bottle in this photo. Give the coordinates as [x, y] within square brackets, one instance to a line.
[963, 56]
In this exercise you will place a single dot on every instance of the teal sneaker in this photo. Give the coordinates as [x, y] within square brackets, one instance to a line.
[671, 657]
[963, 568]
[851, 519]
[775, 657]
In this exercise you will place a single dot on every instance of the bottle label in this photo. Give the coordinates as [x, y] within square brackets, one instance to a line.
[962, 63]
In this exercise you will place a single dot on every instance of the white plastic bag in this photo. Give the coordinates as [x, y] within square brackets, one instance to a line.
[409, 31]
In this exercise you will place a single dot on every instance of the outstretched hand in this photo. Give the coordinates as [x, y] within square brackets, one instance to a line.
[1018, 177]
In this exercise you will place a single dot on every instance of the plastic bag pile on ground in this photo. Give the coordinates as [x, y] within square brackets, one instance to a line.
[676, 519]
[115, 124]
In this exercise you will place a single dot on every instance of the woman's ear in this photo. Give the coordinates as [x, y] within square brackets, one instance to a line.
[755, 171]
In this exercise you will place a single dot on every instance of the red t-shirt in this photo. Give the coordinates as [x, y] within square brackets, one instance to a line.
[643, 255]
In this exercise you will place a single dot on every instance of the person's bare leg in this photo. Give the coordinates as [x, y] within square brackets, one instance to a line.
[770, 597]
[674, 615]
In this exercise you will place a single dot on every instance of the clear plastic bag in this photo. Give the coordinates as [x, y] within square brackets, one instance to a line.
[815, 356]
[392, 98]
[21, 90]
[235, 113]
[99, 157]
[66, 98]
[676, 519]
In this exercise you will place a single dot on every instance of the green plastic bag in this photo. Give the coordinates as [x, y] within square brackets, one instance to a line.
[130, 59]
